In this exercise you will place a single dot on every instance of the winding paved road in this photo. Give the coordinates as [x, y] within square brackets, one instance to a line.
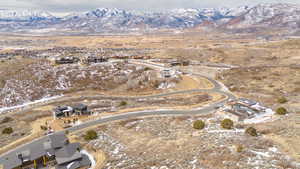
[203, 110]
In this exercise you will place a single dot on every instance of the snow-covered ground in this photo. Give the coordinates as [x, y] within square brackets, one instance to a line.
[166, 85]
[227, 131]
[268, 115]
[46, 99]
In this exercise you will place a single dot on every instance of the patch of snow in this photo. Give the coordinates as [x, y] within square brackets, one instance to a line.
[3, 109]
[258, 107]
[116, 150]
[274, 149]
[70, 165]
[46, 30]
[163, 167]
[223, 87]
[227, 131]
[166, 85]
[63, 83]
[264, 154]
[93, 162]
[260, 118]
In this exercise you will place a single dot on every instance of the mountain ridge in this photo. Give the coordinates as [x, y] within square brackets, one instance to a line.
[275, 15]
[24, 15]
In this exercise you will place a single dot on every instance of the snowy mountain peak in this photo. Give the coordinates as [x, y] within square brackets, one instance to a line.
[185, 10]
[106, 12]
[278, 5]
[23, 15]
[269, 15]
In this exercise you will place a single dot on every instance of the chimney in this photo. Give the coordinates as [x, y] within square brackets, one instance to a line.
[20, 156]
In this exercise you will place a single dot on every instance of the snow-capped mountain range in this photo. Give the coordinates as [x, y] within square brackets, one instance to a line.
[24, 15]
[118, 20]
[269, 15]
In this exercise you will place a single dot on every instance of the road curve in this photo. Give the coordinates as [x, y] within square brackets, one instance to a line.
[206, 109]
[203, 110]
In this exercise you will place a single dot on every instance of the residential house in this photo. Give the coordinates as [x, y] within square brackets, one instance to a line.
[66, 111]
[166, 73]
[93, 59]
[63, 111]
[66, 60]
[80, 109]
[242, 108]
[179, 63]
[52, 150]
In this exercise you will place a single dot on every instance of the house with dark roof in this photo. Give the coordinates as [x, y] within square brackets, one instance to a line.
[66, 60]
[66, 111]
[50, 151]
[80, 109]
[176, 62]
[94, 59]
[62, 111]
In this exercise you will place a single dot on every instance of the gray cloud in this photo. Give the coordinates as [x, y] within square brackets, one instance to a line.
[84, 5]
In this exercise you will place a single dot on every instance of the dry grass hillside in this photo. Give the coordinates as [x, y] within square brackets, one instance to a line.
[171, 142]
[23, 80]
[265, 84]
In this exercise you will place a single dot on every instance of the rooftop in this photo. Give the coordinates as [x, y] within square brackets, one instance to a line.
[56, 144]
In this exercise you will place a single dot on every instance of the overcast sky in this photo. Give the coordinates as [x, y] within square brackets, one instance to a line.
[61, 6]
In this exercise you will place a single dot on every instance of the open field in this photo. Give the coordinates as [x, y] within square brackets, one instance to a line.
[265, 84]
[172, 142]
